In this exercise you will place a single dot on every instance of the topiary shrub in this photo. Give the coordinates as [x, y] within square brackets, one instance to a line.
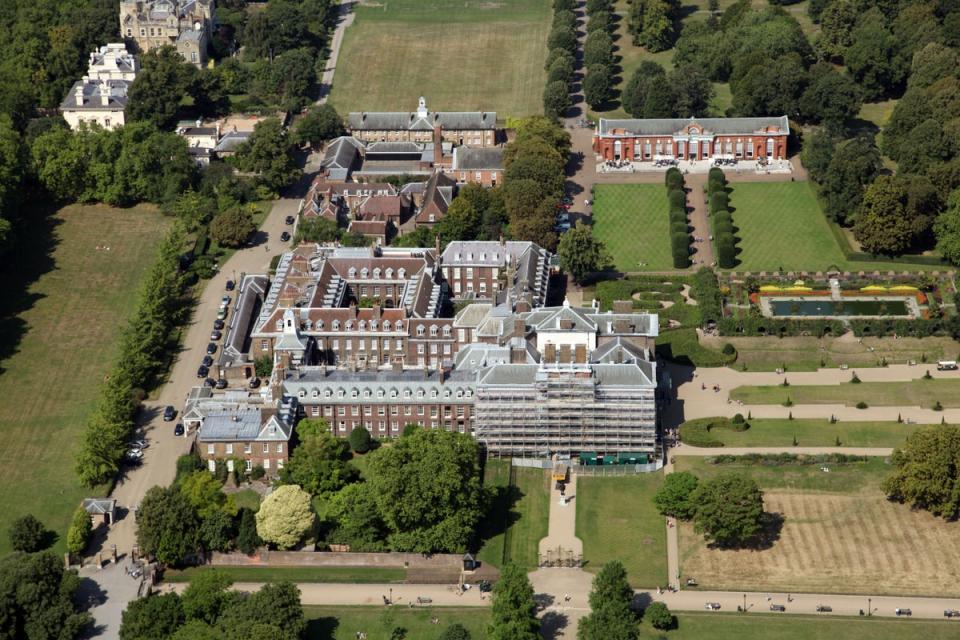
[359, 440]
[719, 200]
[673, 179]
[726, 252]
[677, 199]
[862, 405]
[738, 419]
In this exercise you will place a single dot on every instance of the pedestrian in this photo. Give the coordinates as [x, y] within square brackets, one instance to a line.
[566, 597]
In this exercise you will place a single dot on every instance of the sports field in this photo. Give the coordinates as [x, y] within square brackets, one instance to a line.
[461, 55]
[633, 221]
[839, 534]
[616, 520]
[68, 293]
[914, 393]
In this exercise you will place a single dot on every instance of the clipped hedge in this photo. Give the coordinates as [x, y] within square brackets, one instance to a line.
[719, 201]
[673, 179]
[726, 251]
[706, 291]
[680, 249]
[761, 326]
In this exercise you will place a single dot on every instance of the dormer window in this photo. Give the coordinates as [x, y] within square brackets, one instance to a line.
[373, 325]
[380, 393]
[336, 325]
[349, 325]
[366, 393]
[389, 273]
[406, 393]
[420, 393]
[302, 393]
[446, 331]
[376, 274]
[354, 393]
[402, 273]
[364, 273]
[386, 325]
[420, 329]
[352, 272]
[363, 325]
[327, 393]
[433, 330]
[316, 393]
[319, 325]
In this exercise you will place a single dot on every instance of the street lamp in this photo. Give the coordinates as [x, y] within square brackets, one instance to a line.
[869, 607]
[744, 603]
[391, 595]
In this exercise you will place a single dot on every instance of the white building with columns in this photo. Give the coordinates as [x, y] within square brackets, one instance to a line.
[100, 97]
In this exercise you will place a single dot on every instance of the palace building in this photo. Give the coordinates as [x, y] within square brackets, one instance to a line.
[692, 139]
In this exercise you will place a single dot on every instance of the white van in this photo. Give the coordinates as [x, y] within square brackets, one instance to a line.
[947, 365]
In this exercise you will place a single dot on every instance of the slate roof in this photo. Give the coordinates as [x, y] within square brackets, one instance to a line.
[418, 121]
[669, 126]
[341, 153]
[469, 158]
[92, 92]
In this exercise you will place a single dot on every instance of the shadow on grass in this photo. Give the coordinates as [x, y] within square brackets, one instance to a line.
[29, 257]
[324, 628]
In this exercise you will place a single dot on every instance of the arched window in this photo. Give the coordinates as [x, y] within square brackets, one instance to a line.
[402, 273]
[349, 325]
[336, 325]
[389, 274]
[363, 325]
[420, 329]
[386, 325]
[352, 272]
[433, 330]
[364, 272]
[376, 273]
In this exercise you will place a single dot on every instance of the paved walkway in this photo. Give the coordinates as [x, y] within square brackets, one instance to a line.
[344, 20]
[158, 466]
[699, 220]
[561, 534]
[369, 594]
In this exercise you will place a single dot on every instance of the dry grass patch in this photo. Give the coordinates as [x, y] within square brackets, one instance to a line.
[835, 543]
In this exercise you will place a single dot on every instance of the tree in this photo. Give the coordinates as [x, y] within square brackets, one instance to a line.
[883, 225]
[931, 63]
[610, 585]
[513, 613]
[287, 80]
[562, 37]
[37, 595]
[925, 146]
[598, 85]
[456, 631]
[598, 49]
[285, 517]
[78, 535]
[581, 253]
[925, 471]
[673, 498]
[196, 629]
[27, 534]
[319, 124]
[657, 32]
[692, 92]
[771, 86]
[561, 68]
[947, 229]
[612, 621]
[461, 222]
[659, 616]
[166, 525]
[428, 491]
[636, 93]
[162, 82]
[206, 596]
[272, 613]
[854, 164]
[248, 540]
[831, 97]
[232, 228]
[872, 57]
[556, 98]
[203, 492]
[209, 95]
[152, 618]
[319, 464]
[269, 153]
[354, 518]
[817, 153]
[729, 509]
[218, 530]
[360, 440]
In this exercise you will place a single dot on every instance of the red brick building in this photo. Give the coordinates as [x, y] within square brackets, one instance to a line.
[692, 139]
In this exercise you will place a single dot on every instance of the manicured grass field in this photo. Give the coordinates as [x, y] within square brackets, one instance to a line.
[808, 353]
[838, 534]
[616, 520]
[815, 433]
[520, 516]
[781, 225]
[492, 56]
[758, 626]
[64, 298]
[922, 393]
[366, 575]
[343, 623]
[633, 221]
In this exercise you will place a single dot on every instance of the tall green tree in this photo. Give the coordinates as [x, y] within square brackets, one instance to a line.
[319, 464]
[926, 471]
[598, 85]
[674, 497]
[269, 153]
[163, 81]
[167, 525]
[233, 227]
[319, 124]
[556, 98]
[513, 613]
[273, 612]
[428, 491]
[872, 58]
[581, 253]
[692, 92]
[729, 509]
[37, 598]
[461, 222]
[285, 517]
[895, 215]
[854, 165]
[947, 229]
[831, 97]
[207, 596]
[635, 96]
[152, 618]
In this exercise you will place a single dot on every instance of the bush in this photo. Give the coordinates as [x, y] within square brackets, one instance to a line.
[726, 253]
[27, 534]
[599, 21]
[677, 199]
[738, 419]
[79, 533]
[718, 201]
[673, 179]
[678, 228]
[257, 472]
[187, 464]
[937, 406]
[359, 440]
[659, 616]
[862, 405]
[680, 249]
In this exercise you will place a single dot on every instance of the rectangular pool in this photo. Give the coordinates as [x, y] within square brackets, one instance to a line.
[822, 307]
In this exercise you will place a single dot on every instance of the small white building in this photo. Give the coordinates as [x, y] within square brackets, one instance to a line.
[100, 97]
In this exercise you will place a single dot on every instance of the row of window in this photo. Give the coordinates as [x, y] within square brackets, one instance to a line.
[381, 393]
[388, 273]
[327, 412]
[396, 427]
[247, 448]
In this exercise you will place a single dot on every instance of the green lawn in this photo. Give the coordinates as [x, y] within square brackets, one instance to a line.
[683, 346]
[848, 478]
[633, 221]
[343, 623]
[923, 393]
[65, 297]
[809, 353]
[759, 626]
[493, 56]
[877, 113]
[616, 520]
[365, 575]
[520, 515]
[247, 499]
[812, 433]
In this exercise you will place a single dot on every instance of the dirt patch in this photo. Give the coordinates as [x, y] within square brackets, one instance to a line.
[685, 292]
[836, 544]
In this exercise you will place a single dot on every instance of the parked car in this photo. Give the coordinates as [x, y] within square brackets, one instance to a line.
[485, 586]
[221, 314]
[712, 606]
[254, 382]
[566, 200]
[289, 219]
[284, 236]
[951, 613]
[138, 444]
[211, 348]
[134, 455]
[178, 430]
[903, 612]
[563, 217]
[202, 371]
[224, 302]
[778, 607]
[207, 361]
[215, 335]
[231, 285]
[221, 383]
[169, 413]
[218, 324]
[822, 608]
[210, 382]
[562, 227]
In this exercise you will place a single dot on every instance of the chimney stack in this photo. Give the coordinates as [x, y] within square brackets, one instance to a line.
[437, 146]
[105, 93]
[79, 95]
